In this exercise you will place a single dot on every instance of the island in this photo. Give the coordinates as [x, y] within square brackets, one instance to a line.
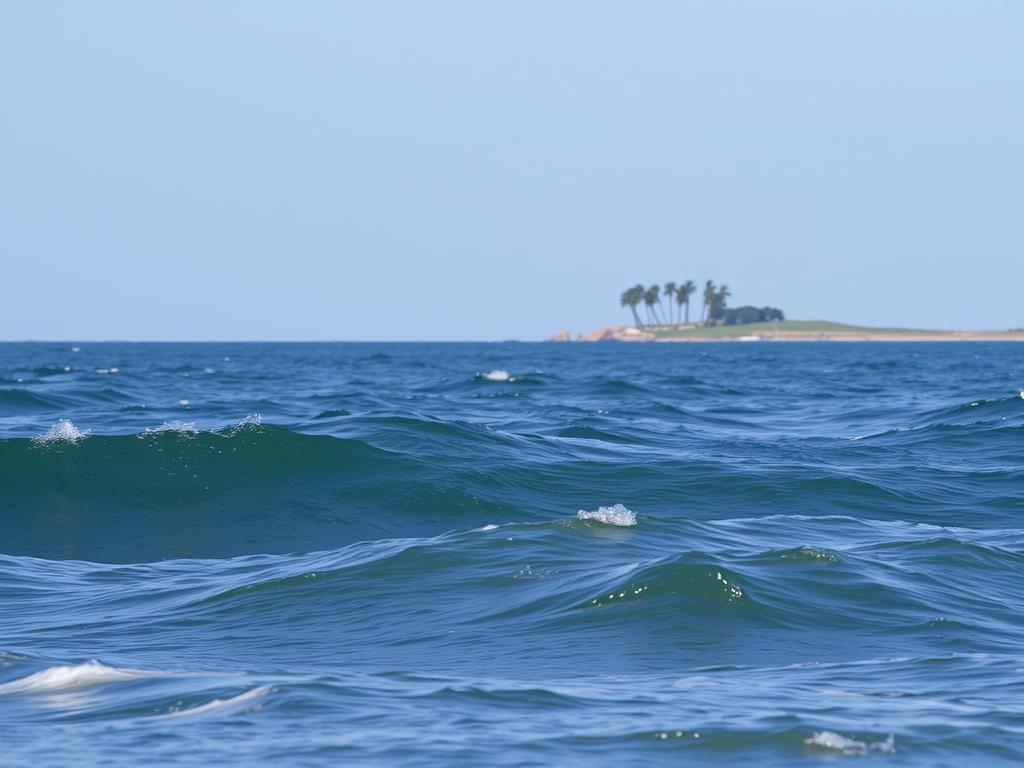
[666, 317]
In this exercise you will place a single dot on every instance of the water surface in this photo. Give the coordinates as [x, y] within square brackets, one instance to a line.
[321, 554]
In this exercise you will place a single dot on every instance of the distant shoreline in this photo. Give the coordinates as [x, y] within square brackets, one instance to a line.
[948, 336]
[788, 330]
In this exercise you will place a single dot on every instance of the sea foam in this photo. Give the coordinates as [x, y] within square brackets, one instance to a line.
[616, 514]
[181, 427]
[498, 375]
[63, 431]
[240, 701]
[69, 677]
[847, 746]
[252, 421]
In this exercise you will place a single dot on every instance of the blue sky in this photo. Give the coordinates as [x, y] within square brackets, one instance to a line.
[485, 170]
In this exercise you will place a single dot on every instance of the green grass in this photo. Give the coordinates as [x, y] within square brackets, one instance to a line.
[786, 326]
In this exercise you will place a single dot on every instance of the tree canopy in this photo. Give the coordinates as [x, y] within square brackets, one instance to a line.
[714, 309]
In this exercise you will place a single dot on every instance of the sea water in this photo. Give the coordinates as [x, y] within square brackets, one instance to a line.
[511, 554]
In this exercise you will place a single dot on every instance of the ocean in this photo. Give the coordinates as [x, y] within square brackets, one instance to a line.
[511, 554]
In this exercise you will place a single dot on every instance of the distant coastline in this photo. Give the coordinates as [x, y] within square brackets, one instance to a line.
[786, 330]
[662, 313]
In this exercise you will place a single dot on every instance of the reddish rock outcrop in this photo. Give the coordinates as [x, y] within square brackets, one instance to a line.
[617, 333]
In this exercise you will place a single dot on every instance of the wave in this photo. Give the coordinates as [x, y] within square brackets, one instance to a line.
[848, 746]
[975, 410]
[981, 419]
[18, 401]
[556, 579]
[43, 371]
[63, 678]
[178, 491]
[723, 714]
[241, 701]
[583, 431]
[26, 403]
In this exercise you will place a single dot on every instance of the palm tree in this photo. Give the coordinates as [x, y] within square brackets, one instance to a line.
[718, 302]
[631, 297]
[669, 290]
[723, 294]
[709, 296]
[650, 299]
[683, 294]
[638, 293]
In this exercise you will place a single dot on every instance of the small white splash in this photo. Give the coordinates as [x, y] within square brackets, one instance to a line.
[252, 420]
[183, 402]
[734, 591]
[498, 375]
[210, 370]
[616, 514]
[1021, 394]
[181, 427]
[70, 677]
[840, 743]
[106, 370]
[249, 422]
[76, 349]
[489, 527]
[529, 574]
[62, 432]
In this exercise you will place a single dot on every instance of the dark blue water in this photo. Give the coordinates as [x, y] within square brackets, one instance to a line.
[319, 554]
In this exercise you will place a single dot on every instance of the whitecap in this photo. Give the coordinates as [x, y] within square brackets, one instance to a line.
[63, 431]
[183, 402]
[181, 427]
[69, 677]
[251, 421]
[498, 375]
[847, 746]
[223, 705]
[616, 514]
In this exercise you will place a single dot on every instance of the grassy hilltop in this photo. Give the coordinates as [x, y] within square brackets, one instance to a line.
[785, 328]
